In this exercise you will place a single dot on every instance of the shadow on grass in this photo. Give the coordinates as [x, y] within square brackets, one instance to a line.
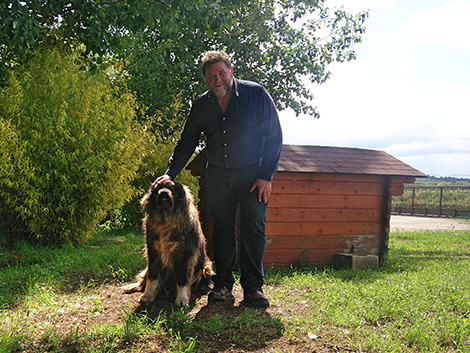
[225, 327]
[163, 303]
[214, 328]
[26, 269]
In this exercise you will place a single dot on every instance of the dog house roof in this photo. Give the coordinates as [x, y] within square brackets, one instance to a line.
[341, 160]
[331, 160]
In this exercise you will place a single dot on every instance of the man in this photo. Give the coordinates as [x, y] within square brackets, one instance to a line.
[244, 141]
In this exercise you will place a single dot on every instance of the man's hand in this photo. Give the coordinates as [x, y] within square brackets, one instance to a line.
[264, 189]
[159, 180]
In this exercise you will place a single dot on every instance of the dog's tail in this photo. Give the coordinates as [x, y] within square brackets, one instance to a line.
[137, 286]
[207, 269]
[206, 272]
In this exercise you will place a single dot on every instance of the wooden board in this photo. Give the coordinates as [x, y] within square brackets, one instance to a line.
[276, 214]
[298, 242]
[323, 228]
[315, 187]
[398, 185]
[326, 201]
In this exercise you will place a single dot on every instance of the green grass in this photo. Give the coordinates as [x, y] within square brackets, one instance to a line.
[418, 302]
[39, 273]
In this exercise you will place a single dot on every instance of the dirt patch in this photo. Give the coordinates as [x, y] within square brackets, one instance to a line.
[408, 223]
[109, 305]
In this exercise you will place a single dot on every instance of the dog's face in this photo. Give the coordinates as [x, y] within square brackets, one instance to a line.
[167, 197]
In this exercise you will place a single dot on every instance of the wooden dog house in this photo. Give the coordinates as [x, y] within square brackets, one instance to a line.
[325, 201]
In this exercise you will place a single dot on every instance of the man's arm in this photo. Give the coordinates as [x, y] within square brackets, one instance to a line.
[273, 138]
[183, 150]
[272, 148]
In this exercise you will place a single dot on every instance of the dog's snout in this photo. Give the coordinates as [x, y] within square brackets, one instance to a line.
[164, 194]
[164, 198]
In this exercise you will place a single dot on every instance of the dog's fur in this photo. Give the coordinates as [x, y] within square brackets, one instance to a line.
[176, 246]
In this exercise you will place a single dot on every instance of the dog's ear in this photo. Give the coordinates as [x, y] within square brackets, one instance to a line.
[179, 191]
[148, 200]
[144, 201]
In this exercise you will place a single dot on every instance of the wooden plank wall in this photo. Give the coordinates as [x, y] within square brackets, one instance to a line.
[311, 217]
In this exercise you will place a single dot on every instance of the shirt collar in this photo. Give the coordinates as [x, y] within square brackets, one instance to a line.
[236, 91]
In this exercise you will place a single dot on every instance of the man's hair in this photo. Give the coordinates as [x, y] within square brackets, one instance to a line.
[212, 57]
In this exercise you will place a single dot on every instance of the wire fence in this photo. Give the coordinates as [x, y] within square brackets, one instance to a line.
[439, 201]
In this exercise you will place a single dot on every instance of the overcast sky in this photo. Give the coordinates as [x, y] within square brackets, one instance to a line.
[408, 91]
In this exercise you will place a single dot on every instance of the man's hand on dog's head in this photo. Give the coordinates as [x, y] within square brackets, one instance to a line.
[159, 180]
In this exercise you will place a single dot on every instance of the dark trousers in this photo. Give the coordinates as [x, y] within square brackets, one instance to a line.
[228, 189]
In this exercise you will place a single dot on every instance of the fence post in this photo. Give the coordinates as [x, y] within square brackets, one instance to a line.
[440, 202]
[413, 202]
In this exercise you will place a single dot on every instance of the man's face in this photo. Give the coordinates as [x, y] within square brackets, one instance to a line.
[219, 78]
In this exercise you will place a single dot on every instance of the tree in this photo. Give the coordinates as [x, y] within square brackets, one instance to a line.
[278, 43]
[293, 41]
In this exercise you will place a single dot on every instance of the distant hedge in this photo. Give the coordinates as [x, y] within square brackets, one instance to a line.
[69, 149]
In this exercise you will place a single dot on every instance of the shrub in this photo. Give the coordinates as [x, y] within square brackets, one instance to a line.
[73, 135]
[14, 168]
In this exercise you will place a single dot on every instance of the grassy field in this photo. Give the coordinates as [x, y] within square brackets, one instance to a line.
[68, 300]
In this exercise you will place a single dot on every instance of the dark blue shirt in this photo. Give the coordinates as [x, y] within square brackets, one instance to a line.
[248, 132]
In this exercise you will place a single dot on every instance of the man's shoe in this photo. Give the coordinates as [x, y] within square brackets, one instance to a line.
[219, 294]
[256, 299]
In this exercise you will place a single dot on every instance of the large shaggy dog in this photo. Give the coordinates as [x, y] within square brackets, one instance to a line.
[176, 246]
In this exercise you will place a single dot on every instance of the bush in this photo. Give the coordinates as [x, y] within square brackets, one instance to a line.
[70, 150]
[14, 168]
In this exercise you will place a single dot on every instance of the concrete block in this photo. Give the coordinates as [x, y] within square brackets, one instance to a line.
[356, 261]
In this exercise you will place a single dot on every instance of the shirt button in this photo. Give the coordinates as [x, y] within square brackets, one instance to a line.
[225, 144]
[225, 131]
[226, 156]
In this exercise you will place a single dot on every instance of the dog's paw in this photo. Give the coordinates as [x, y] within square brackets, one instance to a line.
[182, 296]
[147, 297]
[182, 301]
[132, 288]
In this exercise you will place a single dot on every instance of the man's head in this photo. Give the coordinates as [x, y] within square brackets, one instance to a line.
[218, 72]
[212, 57]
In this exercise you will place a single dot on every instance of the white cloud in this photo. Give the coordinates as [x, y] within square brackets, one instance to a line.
[361, 107]
[454, 165]
[433, 147]
[355, 6]
[381, 102]
[446, 24]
